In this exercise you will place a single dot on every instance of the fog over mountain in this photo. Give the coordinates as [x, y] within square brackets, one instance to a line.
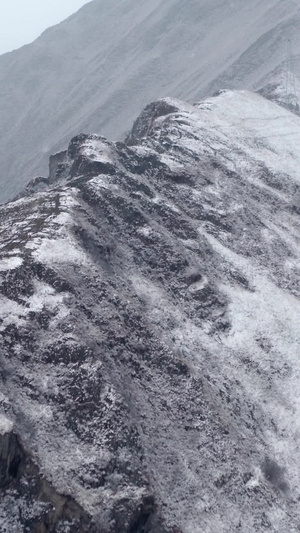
[95, 71]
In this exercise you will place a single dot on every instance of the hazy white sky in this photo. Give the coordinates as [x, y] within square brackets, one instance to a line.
[22, 21]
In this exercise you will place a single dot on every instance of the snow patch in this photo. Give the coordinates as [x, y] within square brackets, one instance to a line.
[255, 480]
[171, 163]
[11, 313]
[44, 298]
[6, 425]
[145, 230]
[57, 251]
[98, 150]
[10, 263]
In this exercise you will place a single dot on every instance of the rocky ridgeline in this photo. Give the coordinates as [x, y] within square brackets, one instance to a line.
[150, 331]
[164, 47]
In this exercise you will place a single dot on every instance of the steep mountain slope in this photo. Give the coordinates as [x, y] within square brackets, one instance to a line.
[98, 69]
[150, 306]
[283, 87]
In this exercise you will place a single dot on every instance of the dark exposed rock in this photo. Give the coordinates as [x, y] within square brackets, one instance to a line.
[143, 125]
[29, 499]
[58, 166]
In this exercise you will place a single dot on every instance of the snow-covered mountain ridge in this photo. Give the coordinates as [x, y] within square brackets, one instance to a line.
[150, 306]
[99, 68]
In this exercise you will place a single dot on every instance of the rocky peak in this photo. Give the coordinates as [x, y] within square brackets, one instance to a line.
[143, 125]
[86, 156]
[149, 328]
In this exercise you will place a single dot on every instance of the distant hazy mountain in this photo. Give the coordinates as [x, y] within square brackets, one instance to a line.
[97, 69]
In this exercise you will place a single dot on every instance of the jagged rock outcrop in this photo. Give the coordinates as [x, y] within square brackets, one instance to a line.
[149, 325]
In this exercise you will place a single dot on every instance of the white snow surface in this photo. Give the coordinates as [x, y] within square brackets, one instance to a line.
[6, 425]
[10, 263]
[248, 135]
[261, 132]
[97, 150]
[243, 129]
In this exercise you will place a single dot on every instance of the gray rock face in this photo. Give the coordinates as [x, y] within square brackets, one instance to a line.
[99, 68]
[283, 87]
[149, 326]
[29, 502]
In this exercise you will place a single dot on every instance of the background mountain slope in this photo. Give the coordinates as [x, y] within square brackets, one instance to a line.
[97, 70]
[149, 321]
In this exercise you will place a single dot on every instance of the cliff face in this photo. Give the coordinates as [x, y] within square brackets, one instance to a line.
[149, 326]
[99, 68]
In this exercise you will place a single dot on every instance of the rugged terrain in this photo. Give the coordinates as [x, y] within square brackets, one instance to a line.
[98, 69]
[150, 328]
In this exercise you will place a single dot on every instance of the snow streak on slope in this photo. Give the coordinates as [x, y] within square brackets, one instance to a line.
[96, 71]
[257, 146]
[150, 331]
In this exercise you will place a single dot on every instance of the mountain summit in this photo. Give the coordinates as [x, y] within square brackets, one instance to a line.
[149, 319]
[98, 69]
